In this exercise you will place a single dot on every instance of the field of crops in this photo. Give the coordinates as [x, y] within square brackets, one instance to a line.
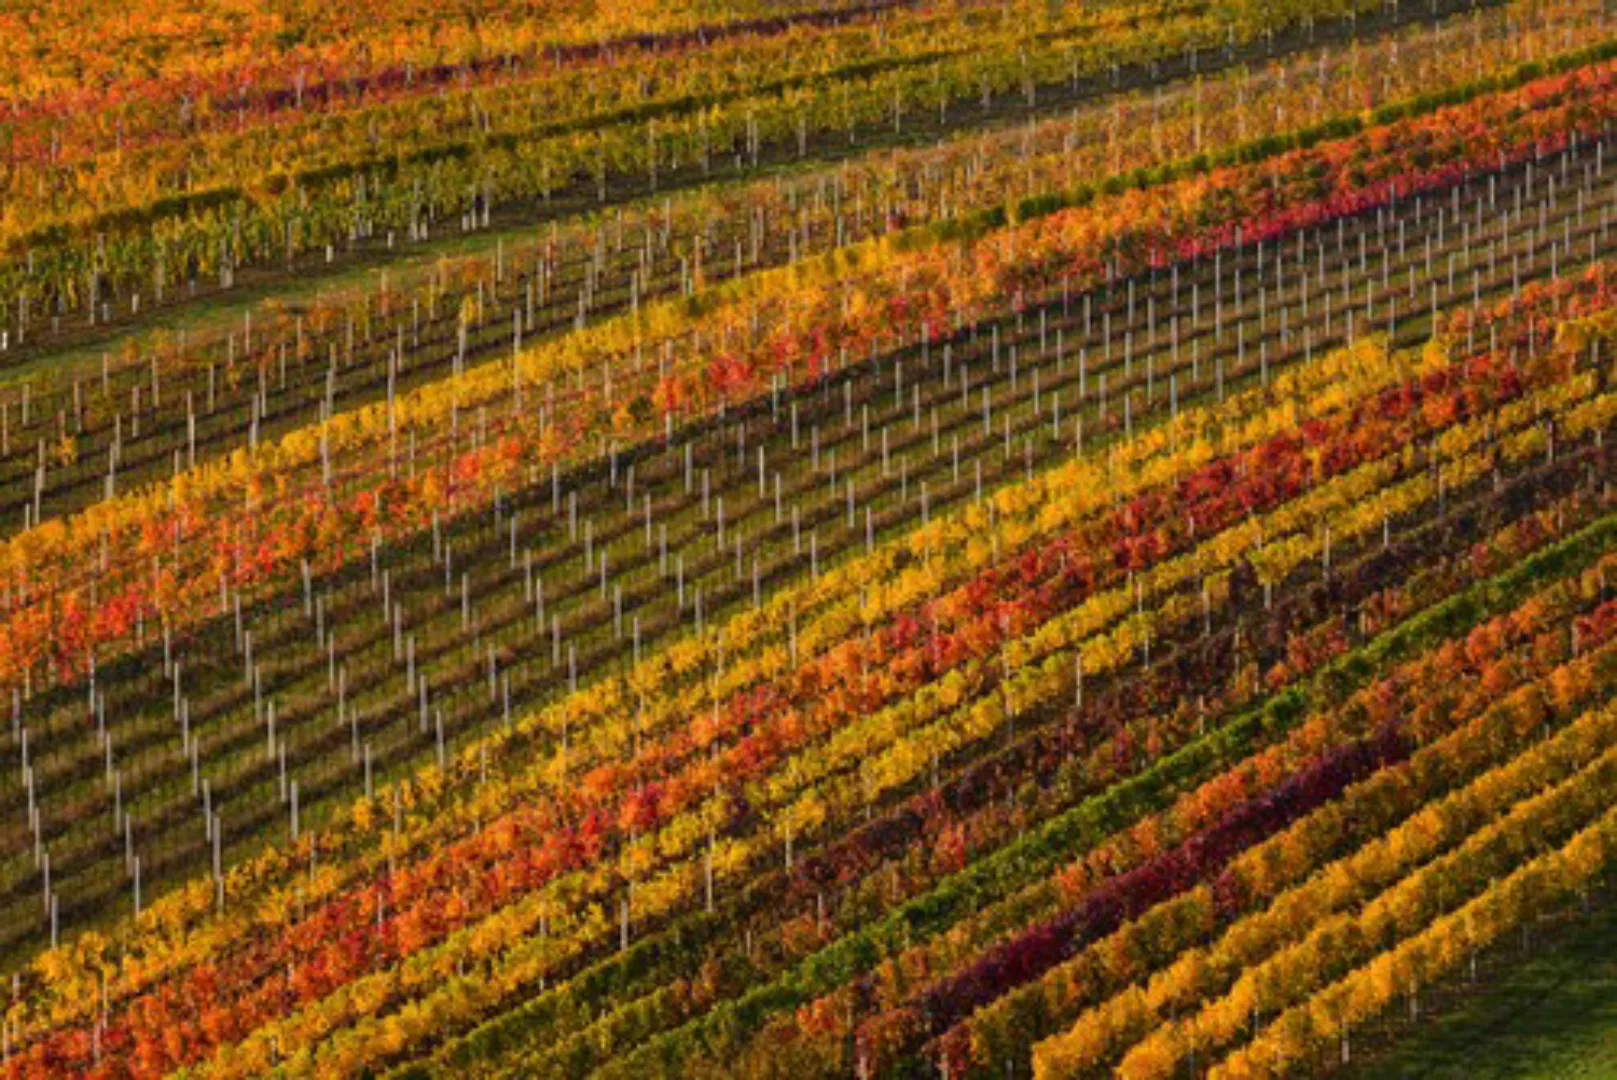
[807, 538]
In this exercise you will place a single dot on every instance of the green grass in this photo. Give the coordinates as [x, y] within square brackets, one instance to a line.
[1549, 1014]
